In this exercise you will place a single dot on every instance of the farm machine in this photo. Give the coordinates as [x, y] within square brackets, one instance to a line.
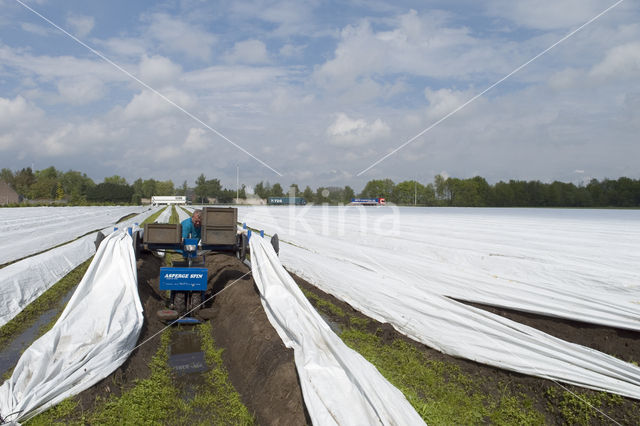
[187, 280]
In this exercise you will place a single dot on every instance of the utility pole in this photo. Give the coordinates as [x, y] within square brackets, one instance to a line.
[237, 183]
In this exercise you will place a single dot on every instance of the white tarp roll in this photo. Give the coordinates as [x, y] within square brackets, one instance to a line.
[461, 330]
[25, 231]
[339, 386]
[95, 334]
[24, 281]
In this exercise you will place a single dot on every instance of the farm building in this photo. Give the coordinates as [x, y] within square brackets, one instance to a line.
[165, 200]
[8, 195]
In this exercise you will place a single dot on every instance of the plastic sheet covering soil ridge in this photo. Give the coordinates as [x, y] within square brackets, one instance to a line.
[94, 335]
[339, 386]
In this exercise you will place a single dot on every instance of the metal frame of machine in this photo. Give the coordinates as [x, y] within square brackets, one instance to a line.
[187, 280]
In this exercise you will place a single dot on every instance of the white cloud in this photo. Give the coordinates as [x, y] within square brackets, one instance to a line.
[290, 17]
[229, 78]
[36, 29]
[292, 50]
[178, 36]
[51, 67]
[16, 111]
[197, 140]
[80, 25]
[125, 46]
[444, 101]
[158, 71]
[345, 131]
[248, 52]
[148, 105]
[546, 15]
[55, 144]
[418, 45]
[619, 62]
[81, 90]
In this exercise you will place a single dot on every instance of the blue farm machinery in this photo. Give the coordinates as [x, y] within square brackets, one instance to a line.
[187, 280]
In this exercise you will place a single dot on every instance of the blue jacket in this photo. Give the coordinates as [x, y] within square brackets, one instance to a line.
[188, 228]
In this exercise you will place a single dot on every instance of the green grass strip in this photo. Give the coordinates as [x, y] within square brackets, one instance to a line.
[152, 218]
[174, 219]
[158, 400]
[440, 392]
[218, 399]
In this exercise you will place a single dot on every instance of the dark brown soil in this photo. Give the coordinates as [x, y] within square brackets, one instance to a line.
[260, 367]
[623, 344]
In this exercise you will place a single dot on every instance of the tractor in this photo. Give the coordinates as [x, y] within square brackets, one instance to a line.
[187, 280]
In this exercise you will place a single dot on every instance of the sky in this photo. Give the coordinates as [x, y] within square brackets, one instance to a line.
[318, 92]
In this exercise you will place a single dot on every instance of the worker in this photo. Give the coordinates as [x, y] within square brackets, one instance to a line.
[191, 226]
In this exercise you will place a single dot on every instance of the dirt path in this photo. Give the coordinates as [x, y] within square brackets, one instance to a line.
[260, 367]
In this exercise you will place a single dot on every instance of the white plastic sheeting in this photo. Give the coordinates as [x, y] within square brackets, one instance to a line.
[164, 216]
[396, 268]
[95, 334]
[339, 386]
[182, 214]
[24, 281]
[28, 230]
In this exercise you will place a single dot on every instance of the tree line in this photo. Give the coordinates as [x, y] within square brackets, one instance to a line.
[73, 187]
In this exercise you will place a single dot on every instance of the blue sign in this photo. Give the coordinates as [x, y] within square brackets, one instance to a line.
[183, 279]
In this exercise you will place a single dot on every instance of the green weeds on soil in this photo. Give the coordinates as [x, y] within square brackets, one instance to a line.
[441, 393]
[175, 219]
[585, 407]
[152, 218]
[158, 400]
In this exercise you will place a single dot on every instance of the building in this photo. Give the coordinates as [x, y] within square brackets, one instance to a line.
[8, 195]
[166, 200]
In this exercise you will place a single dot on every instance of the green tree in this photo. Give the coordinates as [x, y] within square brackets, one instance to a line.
[59, 191]
[149, 188]
[378, 188]
[308, 194]
[243, 192]
[23, 181]
[442, 192]
[118, 180]
[293, 190]
[165, 188]
[6, 175]
[110, 192]
[322, 195]
[260, 190]
[183, 189]
[276, 190]
[348, 194]
[75, 185]
[214, 188]
[201, 188]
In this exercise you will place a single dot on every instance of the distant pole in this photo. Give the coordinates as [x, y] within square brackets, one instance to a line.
[415, 192]
[237, 183]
